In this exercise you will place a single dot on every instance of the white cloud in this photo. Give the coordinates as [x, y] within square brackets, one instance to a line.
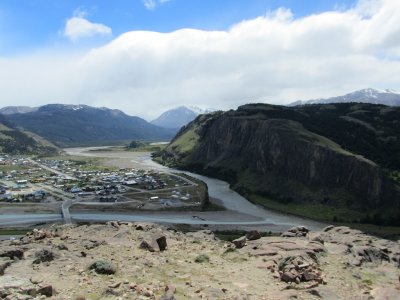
[78, 27]
[275, 58]
[149, 4]
[152, 4]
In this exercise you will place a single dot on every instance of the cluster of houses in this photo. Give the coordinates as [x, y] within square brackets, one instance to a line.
[15, 176]
[105, 185]
[35, 182]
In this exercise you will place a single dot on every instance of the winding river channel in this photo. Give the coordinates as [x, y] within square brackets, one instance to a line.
[239, 213]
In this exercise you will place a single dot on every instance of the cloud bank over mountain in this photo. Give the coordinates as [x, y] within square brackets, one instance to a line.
[274, 58]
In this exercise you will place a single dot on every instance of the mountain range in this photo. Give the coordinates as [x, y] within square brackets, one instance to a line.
[178, 117]
[82, 125]
[386, 97]
[333, 162]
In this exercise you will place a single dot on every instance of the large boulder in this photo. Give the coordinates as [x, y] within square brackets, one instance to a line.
[154, 243]
[253, 235]
[240, 242]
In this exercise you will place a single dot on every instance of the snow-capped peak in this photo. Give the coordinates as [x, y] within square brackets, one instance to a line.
[391, 91]
[199, 110]
[77, 107]
[388, 97]
[373, 92]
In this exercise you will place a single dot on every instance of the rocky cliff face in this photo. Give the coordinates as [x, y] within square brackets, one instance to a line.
[270, 151]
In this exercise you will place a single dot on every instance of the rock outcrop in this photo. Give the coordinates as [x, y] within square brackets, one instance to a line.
[335, 263]
[299, 155]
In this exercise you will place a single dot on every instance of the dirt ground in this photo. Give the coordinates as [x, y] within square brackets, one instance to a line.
[197, 265]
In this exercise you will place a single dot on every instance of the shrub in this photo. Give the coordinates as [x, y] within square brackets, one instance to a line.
[202, 258]
[103, 267]
[44, 255]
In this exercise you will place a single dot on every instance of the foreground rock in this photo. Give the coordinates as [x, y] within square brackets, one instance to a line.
[297, 231]
[155, 243]
[12, 287]
[122, 260]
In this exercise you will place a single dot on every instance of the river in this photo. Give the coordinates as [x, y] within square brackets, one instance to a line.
[239, 213]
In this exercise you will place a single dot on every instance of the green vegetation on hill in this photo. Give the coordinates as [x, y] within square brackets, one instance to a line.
[186, 142]
[14, 141]
[138, 146]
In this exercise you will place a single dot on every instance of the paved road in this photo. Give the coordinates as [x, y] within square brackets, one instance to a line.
[51, 169]
[59, 193]
[65, 211]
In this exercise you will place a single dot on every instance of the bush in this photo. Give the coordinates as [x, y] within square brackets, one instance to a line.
[103, 267]
[44, 255]
[202, 258]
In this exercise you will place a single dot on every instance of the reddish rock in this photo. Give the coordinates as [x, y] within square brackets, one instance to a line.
[288, 277]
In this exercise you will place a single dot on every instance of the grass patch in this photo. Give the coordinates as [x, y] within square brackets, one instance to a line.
[147, 148]
[13, 231]
[202, 258]
[8, 168]
[387, 232]
[186, 142]
[324, 213]
[318, 212]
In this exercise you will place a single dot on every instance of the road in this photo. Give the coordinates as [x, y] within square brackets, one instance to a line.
[65, 210]
[67, 201]
[51, 169]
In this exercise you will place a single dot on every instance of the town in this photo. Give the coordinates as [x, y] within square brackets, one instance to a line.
[63, 184]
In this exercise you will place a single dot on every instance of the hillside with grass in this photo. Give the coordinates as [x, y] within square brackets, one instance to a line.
[15, 141]
[336, 162]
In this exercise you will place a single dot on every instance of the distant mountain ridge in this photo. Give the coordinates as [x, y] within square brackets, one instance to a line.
[82, 125]
[374, 96]
[9, 110]
[180, 116]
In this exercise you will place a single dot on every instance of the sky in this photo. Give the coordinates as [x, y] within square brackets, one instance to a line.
[147, 56]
